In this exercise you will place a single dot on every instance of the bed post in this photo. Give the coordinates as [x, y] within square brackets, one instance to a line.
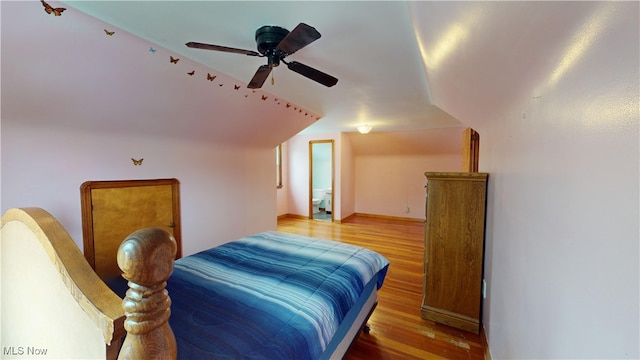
[146, 259]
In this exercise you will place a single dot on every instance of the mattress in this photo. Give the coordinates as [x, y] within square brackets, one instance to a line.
[270, 296]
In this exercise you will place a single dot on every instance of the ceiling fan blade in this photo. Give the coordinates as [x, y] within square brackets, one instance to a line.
[311, 73]
[197, 45]
[298, 38]
[260, 76]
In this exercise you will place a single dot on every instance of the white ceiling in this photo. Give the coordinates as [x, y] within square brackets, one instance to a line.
[403, 67]
[369, 46]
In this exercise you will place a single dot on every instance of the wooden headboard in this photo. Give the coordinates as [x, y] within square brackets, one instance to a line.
[111, 210]
[53, 302]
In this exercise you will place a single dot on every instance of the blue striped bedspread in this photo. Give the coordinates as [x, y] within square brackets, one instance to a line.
[267, 296]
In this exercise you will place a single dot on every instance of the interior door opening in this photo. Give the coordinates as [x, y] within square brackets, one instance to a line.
[321, 180]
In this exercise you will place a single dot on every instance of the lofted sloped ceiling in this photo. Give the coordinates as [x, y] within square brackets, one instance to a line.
[369, 46]
[402, 66]
[75, 71]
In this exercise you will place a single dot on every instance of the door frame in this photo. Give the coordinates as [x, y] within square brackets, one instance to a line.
[333, 172]
[470, 150]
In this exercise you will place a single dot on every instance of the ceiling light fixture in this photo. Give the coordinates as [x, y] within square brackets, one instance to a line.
[364, 129]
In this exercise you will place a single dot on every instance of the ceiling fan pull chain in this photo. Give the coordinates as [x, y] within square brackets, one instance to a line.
[273, 81]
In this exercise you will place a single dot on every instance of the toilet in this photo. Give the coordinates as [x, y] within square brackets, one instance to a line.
[316, 200]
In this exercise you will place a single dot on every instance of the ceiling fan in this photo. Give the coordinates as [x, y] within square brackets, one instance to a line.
[276, 43]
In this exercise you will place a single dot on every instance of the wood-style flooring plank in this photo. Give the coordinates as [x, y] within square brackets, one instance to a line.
[397, 330]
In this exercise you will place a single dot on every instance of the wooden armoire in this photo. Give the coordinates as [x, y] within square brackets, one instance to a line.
[454, 249]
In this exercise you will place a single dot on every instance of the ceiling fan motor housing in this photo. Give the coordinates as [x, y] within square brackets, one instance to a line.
[268, 37]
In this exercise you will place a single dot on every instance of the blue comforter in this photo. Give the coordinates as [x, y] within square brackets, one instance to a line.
[267, 296]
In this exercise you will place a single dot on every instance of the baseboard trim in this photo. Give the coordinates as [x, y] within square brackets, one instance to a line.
[346, 219]
[450, 318]
[388, 217]
[485, 344]
[293, 216]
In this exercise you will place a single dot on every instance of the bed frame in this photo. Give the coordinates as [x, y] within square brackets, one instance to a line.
[60, 307]
[52, 301]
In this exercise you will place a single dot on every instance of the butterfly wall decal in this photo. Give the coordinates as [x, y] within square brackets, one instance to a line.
[137, 162]
[211, 78]
[110, 33]
[51, 10]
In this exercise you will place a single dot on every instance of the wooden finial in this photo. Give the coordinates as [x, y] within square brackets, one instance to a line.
[146, 258]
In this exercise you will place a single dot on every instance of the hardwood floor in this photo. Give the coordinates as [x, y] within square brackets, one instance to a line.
[397, 330]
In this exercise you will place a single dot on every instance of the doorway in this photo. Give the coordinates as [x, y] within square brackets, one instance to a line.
[321, 180]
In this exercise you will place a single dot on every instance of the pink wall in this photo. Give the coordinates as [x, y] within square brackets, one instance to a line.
[563, 219]
[94, 101]
[561, 144]
[389, 168]
[371, 182]
[347, 178]
[283, 193]
[394, 185]
[226, 192]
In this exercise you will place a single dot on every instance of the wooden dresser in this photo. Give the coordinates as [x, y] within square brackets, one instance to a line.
[454, 246]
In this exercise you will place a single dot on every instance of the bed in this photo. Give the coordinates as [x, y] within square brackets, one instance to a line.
[265, 296]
